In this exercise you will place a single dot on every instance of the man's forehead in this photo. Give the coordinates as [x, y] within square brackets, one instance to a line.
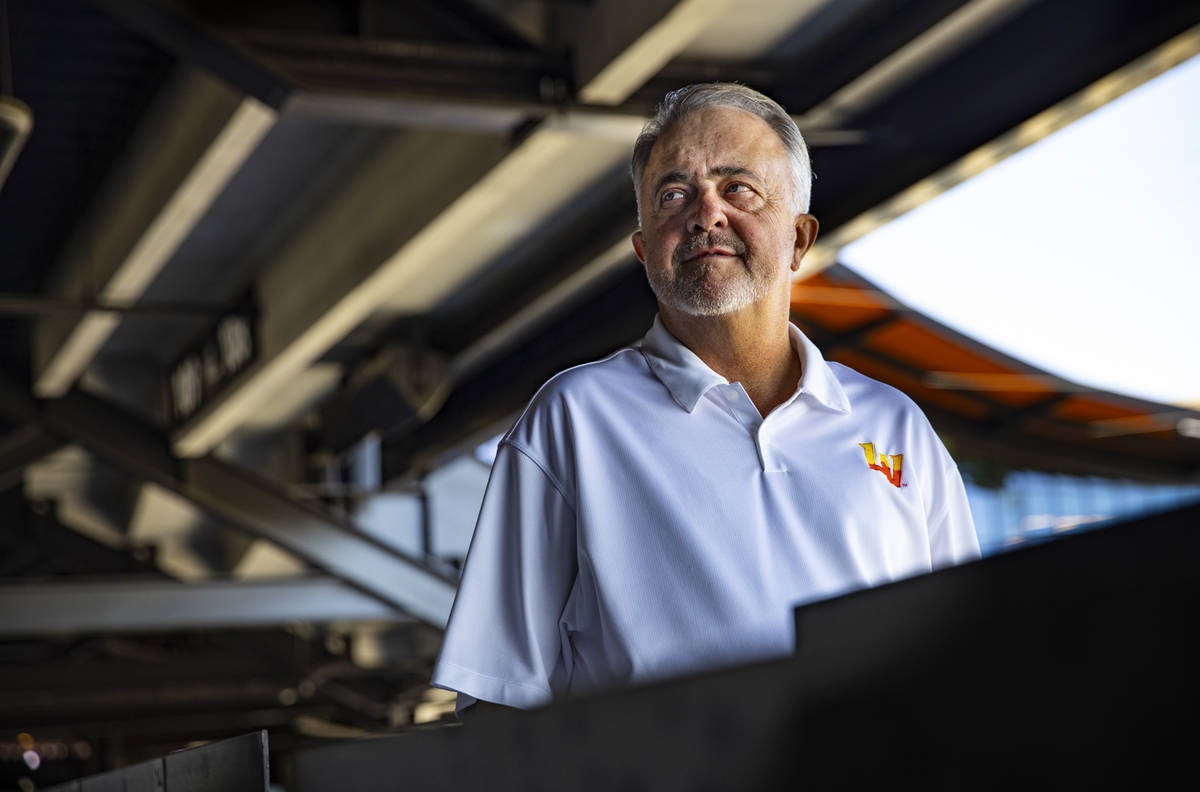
[735, 137]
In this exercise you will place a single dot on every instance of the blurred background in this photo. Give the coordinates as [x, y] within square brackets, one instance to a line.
[275, 276]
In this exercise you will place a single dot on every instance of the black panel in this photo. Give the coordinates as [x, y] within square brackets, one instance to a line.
[1066, 665]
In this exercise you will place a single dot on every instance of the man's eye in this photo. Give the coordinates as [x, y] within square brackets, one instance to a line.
[671, 195]
[737, 187]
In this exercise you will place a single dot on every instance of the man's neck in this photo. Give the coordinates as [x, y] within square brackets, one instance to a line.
[752, 346]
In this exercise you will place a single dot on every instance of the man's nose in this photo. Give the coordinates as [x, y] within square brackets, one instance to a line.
[708, 212]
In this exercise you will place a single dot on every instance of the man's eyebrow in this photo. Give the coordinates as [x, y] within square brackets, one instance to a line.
[673, 176]
[721, 171]
[725, 171]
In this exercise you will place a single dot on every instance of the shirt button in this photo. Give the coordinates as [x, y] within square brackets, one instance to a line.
[731, 394]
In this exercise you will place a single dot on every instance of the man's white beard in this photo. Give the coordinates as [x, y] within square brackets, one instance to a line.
[691, 292]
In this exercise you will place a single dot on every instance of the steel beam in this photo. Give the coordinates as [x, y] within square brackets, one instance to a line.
[618, 46]
[243, 500]
[188, 147]
[354, 557]
[134, 605]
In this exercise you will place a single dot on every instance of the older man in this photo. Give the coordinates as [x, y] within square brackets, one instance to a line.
[663, 510]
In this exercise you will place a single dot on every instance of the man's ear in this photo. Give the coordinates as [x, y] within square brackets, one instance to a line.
[638, 245]
[806, 235]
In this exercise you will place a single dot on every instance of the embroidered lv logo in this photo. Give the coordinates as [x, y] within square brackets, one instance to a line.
[890, 471]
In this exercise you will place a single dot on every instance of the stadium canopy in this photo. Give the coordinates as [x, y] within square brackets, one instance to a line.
[992, 408]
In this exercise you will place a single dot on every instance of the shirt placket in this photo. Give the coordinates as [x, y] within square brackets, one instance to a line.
[740, 406]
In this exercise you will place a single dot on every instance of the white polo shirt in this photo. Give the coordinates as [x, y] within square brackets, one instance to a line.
[642, 520]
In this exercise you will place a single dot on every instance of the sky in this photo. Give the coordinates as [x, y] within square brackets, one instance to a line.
[1079, 255]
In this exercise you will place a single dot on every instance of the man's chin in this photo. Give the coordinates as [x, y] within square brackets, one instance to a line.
[708, 305]
[708, 295]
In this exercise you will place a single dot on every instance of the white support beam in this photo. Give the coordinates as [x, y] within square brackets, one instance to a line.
[621, 45]
[188, 148]
[144, 606]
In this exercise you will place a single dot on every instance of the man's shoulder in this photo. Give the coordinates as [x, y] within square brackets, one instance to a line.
[871, 399]
[857, 384]
[578, 392]
[626, 364]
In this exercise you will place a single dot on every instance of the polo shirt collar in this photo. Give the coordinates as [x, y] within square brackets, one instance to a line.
[817, 380]
[688, 378]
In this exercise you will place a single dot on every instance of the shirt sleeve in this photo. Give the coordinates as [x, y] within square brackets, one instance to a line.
[504, 642]
[952, 538]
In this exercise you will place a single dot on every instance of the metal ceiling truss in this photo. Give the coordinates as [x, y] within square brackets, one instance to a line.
[244, 500]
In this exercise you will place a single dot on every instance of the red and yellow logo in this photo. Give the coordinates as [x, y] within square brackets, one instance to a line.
[890, 471]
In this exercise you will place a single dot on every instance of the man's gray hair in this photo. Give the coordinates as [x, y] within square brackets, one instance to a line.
[691, 98]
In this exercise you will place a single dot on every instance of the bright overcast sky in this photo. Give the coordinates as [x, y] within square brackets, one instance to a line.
[1079, 255]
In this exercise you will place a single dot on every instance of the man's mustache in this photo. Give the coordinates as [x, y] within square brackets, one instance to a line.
[693, 245]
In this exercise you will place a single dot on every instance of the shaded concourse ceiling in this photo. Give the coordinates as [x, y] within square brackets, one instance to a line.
[308, 220]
